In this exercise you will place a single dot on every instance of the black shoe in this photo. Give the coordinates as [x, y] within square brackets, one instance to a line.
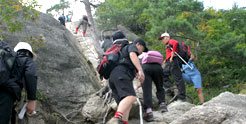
[148, 117]
[163, 108]
[181, 100]
[200, 103]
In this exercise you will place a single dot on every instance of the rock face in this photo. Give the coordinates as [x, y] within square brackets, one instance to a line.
[227, 108]
[94, 110]
[86, 43]
[64, 76]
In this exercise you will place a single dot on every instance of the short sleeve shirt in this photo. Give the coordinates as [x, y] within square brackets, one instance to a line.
[125, 58]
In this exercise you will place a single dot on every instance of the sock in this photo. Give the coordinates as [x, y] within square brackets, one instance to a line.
[162, 103]
[149, 110]
[77, 29]
[84, 33]
[125, 122]
[118, 115]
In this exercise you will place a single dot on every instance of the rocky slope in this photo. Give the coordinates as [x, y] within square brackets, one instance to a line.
[65, 79]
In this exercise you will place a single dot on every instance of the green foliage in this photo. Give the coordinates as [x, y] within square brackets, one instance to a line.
[35, 41]
[223, 49]
[59, 7]
[41, 96]
[56, 115]
[12, 9]
[190, 91]
[125, 12]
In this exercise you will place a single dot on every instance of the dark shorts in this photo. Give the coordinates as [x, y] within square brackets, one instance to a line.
[120, 81]
[6, 105]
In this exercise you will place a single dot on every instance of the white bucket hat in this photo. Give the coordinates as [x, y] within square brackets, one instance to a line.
[163, 35]
[26, 46]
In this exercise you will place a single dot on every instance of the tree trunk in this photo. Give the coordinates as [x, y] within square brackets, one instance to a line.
[94, 31]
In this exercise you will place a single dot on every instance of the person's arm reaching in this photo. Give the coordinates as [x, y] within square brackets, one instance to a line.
[136, 63]
[31, 85]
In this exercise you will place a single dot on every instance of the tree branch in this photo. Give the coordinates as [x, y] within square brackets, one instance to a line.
[185, 37]
[95, 6]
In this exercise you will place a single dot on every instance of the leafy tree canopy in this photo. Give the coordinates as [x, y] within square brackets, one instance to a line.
[10, 10]
[59, 7]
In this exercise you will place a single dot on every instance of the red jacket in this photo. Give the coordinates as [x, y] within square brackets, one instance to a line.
[173, 43]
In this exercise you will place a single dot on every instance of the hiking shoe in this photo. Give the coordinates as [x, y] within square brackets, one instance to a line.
[181, 100]
[115, 121]
[200, 103]
[163, 108]
[148, 117]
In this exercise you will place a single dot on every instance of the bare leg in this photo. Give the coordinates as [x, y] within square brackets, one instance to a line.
[126, 105]
[200, 95]
[126, 115]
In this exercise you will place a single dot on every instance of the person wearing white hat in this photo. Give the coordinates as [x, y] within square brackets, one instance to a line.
[26, 76]
[173, 65]
[24, 46]
[25, 55]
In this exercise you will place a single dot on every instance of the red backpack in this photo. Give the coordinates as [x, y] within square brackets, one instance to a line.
[110, 59]
[184, 51]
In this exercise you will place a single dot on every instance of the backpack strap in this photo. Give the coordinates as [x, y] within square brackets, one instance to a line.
[170, 47]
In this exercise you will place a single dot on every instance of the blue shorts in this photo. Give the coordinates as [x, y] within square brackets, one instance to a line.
[194, 77]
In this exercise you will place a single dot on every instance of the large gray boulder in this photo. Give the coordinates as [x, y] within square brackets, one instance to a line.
[65, 78]
[227, 108]
[94, 110]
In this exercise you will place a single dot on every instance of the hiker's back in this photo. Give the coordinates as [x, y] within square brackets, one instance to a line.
[152, 57]
[28, 75]
[23, 73]
[62, 19]
[111, 58]
[184, 51]
[24, 63]
[125, 58]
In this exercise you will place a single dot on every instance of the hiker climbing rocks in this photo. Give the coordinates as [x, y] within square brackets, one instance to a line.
[193, 76]
[68, 19]
[62, 19]
[153, 72]
[173, 65]
[107, 43]
[23, 74]
[84, 23]
[121, 77]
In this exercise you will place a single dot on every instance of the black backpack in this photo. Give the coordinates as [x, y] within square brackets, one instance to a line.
[184, 51]
[110, 59]
[85, 18]
[7, 62]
